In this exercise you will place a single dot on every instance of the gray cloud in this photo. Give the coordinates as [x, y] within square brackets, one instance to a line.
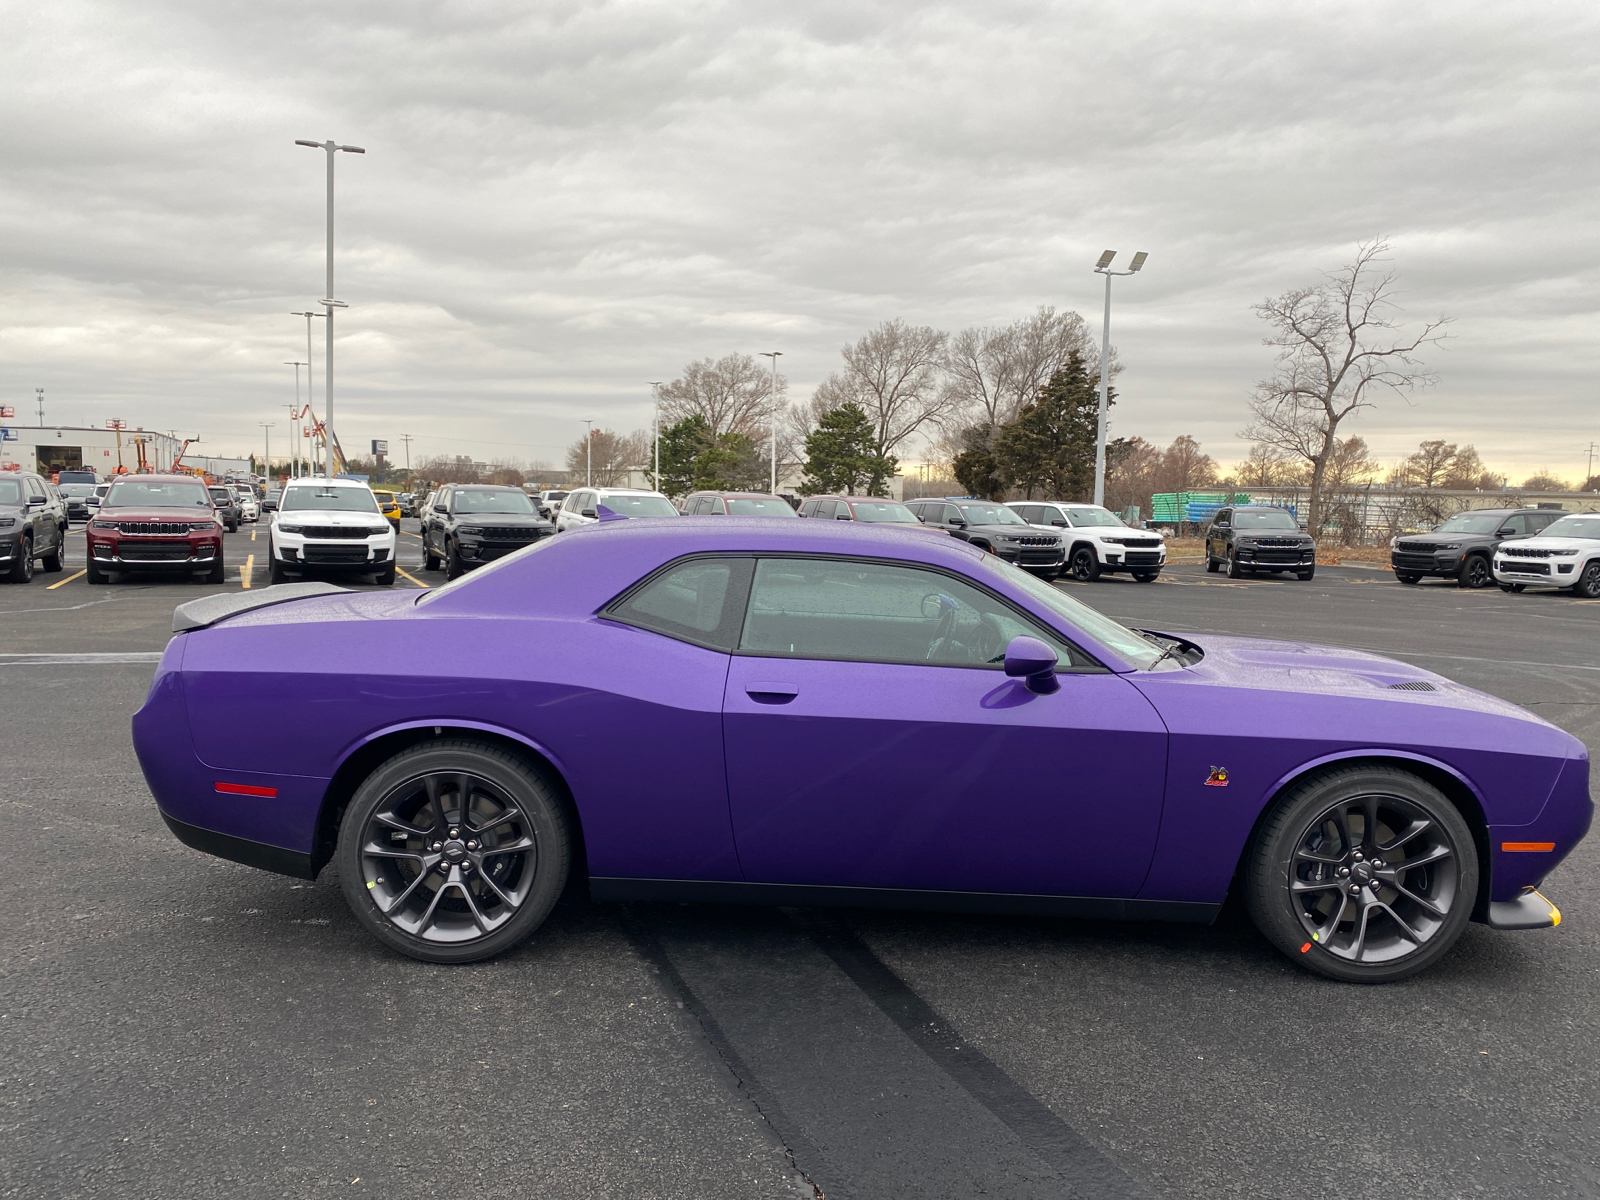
[564, 200]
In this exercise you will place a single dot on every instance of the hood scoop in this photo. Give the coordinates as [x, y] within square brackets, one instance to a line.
[1414, 685]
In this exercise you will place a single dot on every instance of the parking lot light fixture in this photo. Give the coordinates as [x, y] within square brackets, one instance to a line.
[588, 451]
[774, 355]
[1103, 267]
[655, 391]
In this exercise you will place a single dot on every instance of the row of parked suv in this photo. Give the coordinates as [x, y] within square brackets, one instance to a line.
[1514, 547]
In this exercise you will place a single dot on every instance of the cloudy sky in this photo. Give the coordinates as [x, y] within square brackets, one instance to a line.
[561, 201]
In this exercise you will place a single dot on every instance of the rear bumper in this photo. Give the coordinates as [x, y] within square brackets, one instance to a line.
[241, 850]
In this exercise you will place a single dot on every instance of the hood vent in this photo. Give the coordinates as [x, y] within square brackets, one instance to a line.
[1418, 685]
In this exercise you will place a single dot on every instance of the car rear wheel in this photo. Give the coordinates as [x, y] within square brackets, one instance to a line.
[430, 560]
[1085, 565]
[52, 561]
[1475, 572]
[22, 563]
[1363, 874]
[1588, 585]
[453, 851]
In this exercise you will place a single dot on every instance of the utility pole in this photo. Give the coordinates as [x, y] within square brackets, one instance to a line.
[39, 392]
[328, 302]
[294, 413]
[655, 392]
[1103, 267]
[1589, 474]
[588, 452]
[267, 428]
[774, 355]
[406, 438]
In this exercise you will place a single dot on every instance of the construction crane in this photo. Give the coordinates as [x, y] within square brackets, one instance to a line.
[321, 432]
[178, 461]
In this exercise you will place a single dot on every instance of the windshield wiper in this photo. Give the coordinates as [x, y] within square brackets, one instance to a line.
[1173, 646]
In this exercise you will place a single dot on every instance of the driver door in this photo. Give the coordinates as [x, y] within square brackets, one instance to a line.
[872, 741]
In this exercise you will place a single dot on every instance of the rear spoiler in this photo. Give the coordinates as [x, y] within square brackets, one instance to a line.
[208, 610]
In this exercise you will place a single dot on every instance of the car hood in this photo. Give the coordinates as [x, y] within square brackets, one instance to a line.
[134, 513]
[516, 520]
[1511, 545]
[1303, 669]
[334, 517]
[1013, 530]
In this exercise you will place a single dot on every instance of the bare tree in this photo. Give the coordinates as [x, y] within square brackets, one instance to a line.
[608, 456]
[733, 394]
[1335, 349]
[1545, 482]
[992, 373]
[1266, 466]
[893, 373]
[1428, 468]
[1184, 467]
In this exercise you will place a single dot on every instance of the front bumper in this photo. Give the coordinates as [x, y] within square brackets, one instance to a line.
[1444, 565]
[1528, 911]
[1122, 558]
[1282, 560]
[476, 551]
[154, 554]
[1551, 572]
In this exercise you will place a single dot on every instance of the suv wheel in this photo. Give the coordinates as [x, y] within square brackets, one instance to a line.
[1235, 571]
[1145, 576]
[1212, 565]
[1085, 565]
[430, 560]
[452, 562]
[276, 574]
[1475, 572]
[52, 561]
[1588, 585]
[1512, 587]
[22, 564]
[1406, 577]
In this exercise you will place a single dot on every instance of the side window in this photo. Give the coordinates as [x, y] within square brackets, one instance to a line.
[808, 509]
[1518, 524]
[35, 488]
[824, 509]
[1537, 521]
[716, 507]
[700, 600]
[1223, 518]
[878, 612]
[570, 504]
[842, 511]
[951, 513]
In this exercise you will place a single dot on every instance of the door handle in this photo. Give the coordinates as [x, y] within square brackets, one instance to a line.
[765, 692]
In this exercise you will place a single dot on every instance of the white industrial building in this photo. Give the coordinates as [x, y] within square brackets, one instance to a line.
[53, 448]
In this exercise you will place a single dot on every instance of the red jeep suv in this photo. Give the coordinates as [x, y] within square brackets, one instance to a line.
[156, 523]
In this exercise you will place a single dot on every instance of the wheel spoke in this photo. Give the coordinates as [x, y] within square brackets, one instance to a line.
[478, 919]
[426, 922]
[431, 783]
[464, 799]
[1421, 902]
[1417, 827]
[523, 843]
[394, 822]
[1411, 933]
[1361, 932]
[394, 905]
[379, 850]
[1437, 854]
[1330, 928]
[507, 814]
[495, 888]
[1369, 822]
[1326, 885]
[1307, 856]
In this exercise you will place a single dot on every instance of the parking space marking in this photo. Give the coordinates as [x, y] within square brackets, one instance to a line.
[249, 566]
[67, 580]
[46, 660]
[413, 579]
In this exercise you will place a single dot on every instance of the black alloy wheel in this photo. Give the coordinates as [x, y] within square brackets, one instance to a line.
[215, 574]
[453, 851]
[1366, 874]
[1235, 569]
[1307, 575]
[1085, 566]
[385, 577]
[52, 561]
[276, 574]
[453, 567]
[1212, 565]
[94, 573]
[430, 560]
[1406, 577]
[1475, 572]
[1588, 585]
[22, 563]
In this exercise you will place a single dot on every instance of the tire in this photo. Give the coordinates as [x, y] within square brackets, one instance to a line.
[94, 573]
[1212, 565]
[490, 898]
[1145, 576]
[385, 577]
[22, 565]
[430, 560]
[217, 570]
[233, 527]
[1084, 565]
[1588, 585]
[52, 561]
[1475, 573]
[276, 573]
[1307, 575]
[452, 562]
[1379, 933]
[1235, 571]
[1407, 579]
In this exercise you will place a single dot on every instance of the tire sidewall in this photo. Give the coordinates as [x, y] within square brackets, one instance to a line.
[1267, 894]
[539, 802]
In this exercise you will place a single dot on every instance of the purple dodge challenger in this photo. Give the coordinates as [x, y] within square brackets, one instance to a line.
[816, 712]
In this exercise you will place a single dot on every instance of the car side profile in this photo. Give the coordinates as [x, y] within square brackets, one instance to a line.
[996, 529]
[470, 524]
[1463, 547]
[1250, 539]
[1097, 540]
[330, 526]
[581, 506]
[30, 529]
[165, 523]
[818, 713]
[874, 510]
[736, 504]
[1565, 555]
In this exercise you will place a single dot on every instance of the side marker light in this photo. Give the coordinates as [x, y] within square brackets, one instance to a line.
[1527, 847]
[244, 789]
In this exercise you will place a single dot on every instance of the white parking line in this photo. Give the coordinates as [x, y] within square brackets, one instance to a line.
[45, 660]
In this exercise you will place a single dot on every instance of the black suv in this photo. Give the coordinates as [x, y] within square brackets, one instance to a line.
[995, 527]
[32, 525]
[1248, 538]
[228, 506]
[469, 524]
[1463, 547]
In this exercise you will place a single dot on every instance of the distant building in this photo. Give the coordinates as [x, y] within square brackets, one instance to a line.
[52, 448]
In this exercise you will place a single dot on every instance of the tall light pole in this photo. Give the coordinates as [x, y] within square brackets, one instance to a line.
[311, 391]
[39, 392]
[1103, 267]
[588, 452]
[266, 427]
[655, 392]
[774, 355]
[329, 302]
[294, 414]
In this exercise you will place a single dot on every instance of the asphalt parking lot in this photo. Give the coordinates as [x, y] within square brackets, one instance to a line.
[174, 1025]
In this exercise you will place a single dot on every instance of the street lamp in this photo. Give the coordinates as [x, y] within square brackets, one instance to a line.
[294, 414]
[655, 391]
[588, 452]
[330, 304]
[266, 426]
[774, 355]
[1103, 267]
[311, 392]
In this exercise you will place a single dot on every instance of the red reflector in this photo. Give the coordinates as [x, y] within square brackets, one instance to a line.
[1528, 847]
[245, 789]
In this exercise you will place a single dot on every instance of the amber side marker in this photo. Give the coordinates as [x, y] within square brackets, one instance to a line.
[1527, 847]
[244, 789]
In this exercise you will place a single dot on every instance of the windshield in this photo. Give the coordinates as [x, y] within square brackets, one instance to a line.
[384, 497]
[1263, 518]
[1092, 516]
[139, 493]
[76, 489]
[508, 501]
[335, 499]
[638, 506]
[1585, 526]
[886, 511]
[1134, 647]
[221, 495]
[1472, 523]
[10, 491]
[989, 514]
[763, 506]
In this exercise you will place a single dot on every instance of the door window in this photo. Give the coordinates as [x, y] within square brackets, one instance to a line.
[1517, 523]
[699, 600]
[808, 509]
[878, 612]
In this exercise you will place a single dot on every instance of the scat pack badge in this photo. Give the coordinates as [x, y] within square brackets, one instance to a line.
[1218, 777]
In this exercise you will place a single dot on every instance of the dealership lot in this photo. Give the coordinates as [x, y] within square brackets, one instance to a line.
[176, 1025]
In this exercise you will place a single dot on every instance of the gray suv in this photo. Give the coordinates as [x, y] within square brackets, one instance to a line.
[33, 524]
[996, 528]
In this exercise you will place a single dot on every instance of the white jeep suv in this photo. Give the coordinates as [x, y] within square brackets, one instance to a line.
[331, 524]
[1097, 539]
[579, 506]
[1565, 555]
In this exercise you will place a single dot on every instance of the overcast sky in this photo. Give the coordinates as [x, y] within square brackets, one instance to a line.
[561, 201]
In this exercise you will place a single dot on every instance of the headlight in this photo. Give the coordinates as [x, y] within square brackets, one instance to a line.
[104, 524]
[282, 528]
[202, 526]
[470, 531]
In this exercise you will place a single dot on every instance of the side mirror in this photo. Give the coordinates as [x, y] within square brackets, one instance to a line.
[1034, 663]
[588, 512]
[1059, 523]
[35, 502]
[959, 523]
[1506, 532]
[844, 516]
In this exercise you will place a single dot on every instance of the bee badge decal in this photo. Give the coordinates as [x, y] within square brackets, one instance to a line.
[1218, 777]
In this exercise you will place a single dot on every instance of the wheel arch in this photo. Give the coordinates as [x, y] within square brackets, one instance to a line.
[1088, 544]
[362, 758]
[1455, 786]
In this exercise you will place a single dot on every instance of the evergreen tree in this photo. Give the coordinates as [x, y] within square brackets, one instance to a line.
[841, 456]
[682, 444]
[975, 468]
[1049, 448]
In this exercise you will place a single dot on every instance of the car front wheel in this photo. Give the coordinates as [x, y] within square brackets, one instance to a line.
[1085, 565]
[22, 561]
[1405, 578]
[1475, 572]
[453, 568]
[1365, 874]
[453, 851]
[1235, 570]
[1588, 585]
